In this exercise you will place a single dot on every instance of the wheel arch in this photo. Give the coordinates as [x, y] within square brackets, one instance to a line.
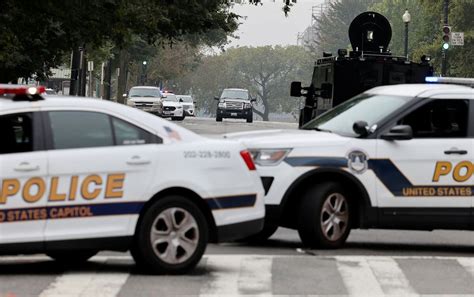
[365, 215]
[198, 200]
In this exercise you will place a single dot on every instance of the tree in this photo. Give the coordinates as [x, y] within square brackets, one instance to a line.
[54, 27]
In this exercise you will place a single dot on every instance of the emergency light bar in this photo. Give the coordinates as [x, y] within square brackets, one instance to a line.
[450, 80]
[22, 92]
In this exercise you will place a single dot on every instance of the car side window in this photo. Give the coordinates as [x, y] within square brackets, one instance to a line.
[439, 119]
[80, 129]
[16, 132]
[129, 134]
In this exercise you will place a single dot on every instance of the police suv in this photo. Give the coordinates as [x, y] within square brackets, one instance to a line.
[394, 157]
[82, 175]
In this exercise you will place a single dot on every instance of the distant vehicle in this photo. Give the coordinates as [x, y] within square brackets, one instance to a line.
[172, 107]
[234, 103]
[49, 91]
[188, 104]
[145, 98]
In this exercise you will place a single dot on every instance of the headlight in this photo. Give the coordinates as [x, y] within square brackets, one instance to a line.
[247, 105]
[157, 103]
[269, 157]
[179, 107]
[130, 103]
[222, 104]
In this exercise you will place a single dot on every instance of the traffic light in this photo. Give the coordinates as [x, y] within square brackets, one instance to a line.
[446, 37]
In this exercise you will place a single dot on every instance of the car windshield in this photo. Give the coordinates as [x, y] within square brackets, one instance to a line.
[170, 97]
[187, 99]
[365, 107]
[145, 92]
[235, 94]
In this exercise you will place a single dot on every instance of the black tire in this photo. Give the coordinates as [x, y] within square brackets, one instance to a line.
[151, 258]
[268, 230]
[218, 119]
[72, 257]
[250, 119]
[314, 210]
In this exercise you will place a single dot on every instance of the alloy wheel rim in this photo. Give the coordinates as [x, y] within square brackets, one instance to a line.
[334, 217]
[174, 235]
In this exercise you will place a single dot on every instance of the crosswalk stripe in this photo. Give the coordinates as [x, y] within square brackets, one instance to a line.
[224, 272]
[358, 277]
[256, 276]
[391, 277]
[81, 284]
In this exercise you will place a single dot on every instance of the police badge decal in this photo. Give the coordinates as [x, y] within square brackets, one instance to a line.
[357, 161]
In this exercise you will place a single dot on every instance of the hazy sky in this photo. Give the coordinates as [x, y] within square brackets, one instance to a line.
[267, 25]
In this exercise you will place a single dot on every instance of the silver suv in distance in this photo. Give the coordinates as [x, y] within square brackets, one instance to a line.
[146, 98]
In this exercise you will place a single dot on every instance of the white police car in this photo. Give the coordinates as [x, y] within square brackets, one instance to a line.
[82, 175]
[395, 157]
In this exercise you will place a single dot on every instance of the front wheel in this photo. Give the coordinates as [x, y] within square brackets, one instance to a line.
[325, 216]
[218, 119]
[171, 238]
[250, 119]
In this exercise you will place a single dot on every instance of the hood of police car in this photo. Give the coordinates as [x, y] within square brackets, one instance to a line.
[285, 138]
[172, 103]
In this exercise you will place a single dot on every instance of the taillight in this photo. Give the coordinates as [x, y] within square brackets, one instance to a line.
[248, 159]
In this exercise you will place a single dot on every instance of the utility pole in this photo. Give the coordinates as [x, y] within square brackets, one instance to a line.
[75, 62]
[444, 60]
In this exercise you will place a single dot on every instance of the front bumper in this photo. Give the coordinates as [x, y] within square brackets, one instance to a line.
[240, 230]
[172, 113]
[237, 113]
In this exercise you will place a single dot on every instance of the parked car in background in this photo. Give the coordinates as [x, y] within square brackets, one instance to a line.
[188, 104]
[146, 98]
[234, 103]
[172, 107]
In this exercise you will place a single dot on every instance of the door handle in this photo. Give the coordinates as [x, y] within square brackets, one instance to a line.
[137, 160]
[26, 167]
[455, 152]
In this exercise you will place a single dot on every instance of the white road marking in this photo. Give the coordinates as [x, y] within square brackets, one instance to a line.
[358, 277]
[391, 277]
[468, 264]
[224, 273]
[256, 276]
[80, 284]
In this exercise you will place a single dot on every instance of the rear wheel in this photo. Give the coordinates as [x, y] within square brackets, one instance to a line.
[218, 119]
[171, 237]
[71, 257]
[325, 216]
[250, 119]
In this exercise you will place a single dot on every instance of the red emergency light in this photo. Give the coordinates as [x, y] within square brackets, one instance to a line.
[21, 90]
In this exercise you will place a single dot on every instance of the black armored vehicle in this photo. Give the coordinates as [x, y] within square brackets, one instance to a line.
[337, 78]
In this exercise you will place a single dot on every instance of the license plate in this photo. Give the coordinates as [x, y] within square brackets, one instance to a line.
[233, 114]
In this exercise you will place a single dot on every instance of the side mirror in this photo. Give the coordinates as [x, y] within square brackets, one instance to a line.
[295, 90]
[253, 100]
[400, 132]
[216, 98]
[361, 128]
[194, 102]
[181, 100]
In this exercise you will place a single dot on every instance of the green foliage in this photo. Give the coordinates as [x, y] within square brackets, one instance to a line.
[425, 35]
[36, 35]
[266, 71]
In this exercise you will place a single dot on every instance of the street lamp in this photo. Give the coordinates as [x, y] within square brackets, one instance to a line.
[144, 78]
[406, 19]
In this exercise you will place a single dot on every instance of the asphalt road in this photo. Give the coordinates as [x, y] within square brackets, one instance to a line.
[372, 263]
